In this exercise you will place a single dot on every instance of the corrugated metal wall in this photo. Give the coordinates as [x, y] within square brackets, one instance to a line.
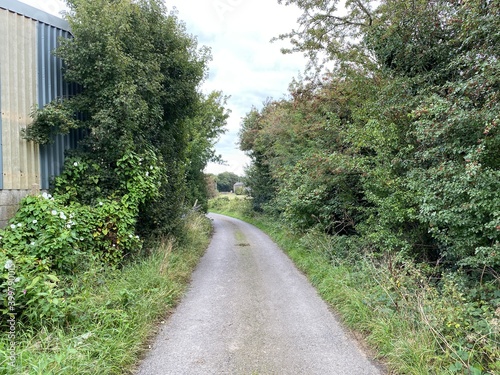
[20, 159]
[51, 86]
[30, 74]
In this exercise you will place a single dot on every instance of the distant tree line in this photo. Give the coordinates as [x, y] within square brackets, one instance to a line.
[226, 181]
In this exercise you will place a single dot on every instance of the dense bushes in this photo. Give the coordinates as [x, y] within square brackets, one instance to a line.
[102, 321]
[404, 152]
[395, 151]
[52, 239]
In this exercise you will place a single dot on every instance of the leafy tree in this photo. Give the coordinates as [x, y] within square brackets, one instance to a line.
[326, 35]
[405, 36]
[226, 181]
[140, 73]
[210, 181]
[204, 129]
[258, 175]
[259, 180]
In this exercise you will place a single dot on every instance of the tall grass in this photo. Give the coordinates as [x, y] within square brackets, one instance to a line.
[115, 315]
[417, 321]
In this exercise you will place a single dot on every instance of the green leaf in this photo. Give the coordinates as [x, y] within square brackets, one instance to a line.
[33, 282]
[53, 278]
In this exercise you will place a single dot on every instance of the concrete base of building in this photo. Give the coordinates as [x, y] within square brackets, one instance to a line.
[9, 202]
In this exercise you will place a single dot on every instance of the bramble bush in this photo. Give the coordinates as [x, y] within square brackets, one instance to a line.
[53, 238]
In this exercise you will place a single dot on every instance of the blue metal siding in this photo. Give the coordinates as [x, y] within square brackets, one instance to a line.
[51, 85]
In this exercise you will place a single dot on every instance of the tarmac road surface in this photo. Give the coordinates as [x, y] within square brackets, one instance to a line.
[249, 311]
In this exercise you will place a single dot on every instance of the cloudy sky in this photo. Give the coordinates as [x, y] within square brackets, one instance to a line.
[245, 66]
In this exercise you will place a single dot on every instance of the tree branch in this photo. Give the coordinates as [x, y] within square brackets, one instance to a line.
[365, 11]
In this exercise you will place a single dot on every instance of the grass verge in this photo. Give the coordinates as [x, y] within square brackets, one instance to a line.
[415, 324]
[114, 316]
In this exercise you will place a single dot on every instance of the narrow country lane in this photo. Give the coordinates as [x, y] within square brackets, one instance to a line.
[249, 311]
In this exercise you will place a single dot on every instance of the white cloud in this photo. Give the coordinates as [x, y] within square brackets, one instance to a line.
[53, 7]
[245, 64]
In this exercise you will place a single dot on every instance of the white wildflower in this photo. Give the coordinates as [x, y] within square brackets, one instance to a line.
[45, 195]
[147, 174]
[12, 226]
[151, 167]
[19, 225]
[17, 279]
[35, 221]
[85, 336]
[75, 164]
[54, 212]
[62, 216]
[33, 243]
[9, 264]
[100, 203]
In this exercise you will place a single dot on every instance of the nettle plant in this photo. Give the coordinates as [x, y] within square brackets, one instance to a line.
[53, 238]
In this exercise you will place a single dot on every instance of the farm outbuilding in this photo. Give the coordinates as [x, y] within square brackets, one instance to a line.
[30, 75]
[239, 188]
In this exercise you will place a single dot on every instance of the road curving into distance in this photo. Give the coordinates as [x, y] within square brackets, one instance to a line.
[249, 311]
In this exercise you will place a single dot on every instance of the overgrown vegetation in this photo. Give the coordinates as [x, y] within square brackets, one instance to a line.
[53, 239]
[140, 75]
[141, 163]
[68, 258]
[106, 315]
[390, 148]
